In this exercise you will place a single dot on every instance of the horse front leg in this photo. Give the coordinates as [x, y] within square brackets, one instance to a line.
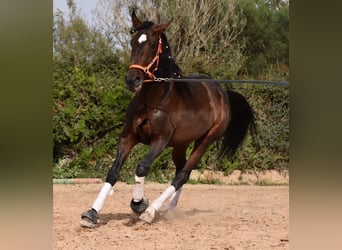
[90, 217]
[139, 202]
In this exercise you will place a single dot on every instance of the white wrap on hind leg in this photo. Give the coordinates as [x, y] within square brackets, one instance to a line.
[174, 199]
[149, 215]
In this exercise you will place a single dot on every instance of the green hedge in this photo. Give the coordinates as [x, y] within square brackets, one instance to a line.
[88, 115]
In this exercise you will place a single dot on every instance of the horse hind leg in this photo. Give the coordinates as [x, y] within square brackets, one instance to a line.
[150, 213]
[200, 147]
[173, 201]
[183, 174]
[178, 156]
[173, 192]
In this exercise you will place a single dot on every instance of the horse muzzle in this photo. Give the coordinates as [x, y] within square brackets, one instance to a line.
[134, 79]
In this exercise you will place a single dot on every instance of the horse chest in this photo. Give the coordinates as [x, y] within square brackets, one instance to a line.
[150, 124]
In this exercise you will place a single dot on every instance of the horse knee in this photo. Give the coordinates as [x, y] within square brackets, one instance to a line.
[141, 170]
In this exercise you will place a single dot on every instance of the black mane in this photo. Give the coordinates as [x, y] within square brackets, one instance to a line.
[167, 66]
[144, 25]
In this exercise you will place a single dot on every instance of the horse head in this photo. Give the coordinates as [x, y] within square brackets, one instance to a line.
[146, 46]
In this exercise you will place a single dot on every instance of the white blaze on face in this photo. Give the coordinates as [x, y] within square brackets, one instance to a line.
[142, 38]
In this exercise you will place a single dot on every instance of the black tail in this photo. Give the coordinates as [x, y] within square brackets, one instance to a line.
[242, 119]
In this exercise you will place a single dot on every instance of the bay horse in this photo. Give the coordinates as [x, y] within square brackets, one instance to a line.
[170, 114]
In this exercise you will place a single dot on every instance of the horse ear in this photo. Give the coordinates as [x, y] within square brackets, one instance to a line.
[159, 28]
[135, 21]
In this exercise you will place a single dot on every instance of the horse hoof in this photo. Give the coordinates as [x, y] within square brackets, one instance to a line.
[89, 218]
[140, 206]
[148, 215]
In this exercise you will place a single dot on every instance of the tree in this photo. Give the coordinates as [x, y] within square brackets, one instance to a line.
[77, 44]
[266, 35]
[89, 95]
[203, 33]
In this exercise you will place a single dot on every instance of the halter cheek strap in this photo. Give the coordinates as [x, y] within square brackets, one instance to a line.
[147, 69]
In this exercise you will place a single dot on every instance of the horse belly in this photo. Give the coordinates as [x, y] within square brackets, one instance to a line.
[188, 131]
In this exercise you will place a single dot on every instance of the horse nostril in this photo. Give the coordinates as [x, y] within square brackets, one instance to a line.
[137, 80]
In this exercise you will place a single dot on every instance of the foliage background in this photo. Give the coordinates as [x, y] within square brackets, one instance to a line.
[248, 40]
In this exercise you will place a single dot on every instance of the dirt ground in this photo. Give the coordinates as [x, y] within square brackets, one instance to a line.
[207, 217]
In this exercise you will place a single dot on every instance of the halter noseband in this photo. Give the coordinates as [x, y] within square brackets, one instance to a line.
[147, 69]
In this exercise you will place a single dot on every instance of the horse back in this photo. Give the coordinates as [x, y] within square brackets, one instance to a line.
[199, 107]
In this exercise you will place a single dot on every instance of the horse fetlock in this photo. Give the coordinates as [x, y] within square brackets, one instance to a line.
[180, 179]
[142, 170]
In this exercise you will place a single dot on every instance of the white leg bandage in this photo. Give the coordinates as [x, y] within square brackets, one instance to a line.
[100, 200]
[157, 204]
[174, 199]
[138, 192]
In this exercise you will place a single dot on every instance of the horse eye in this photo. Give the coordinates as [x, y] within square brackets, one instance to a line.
[132, 31]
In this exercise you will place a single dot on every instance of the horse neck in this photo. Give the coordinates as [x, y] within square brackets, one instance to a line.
[159, 95]
[167, 65]
[168, 69]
